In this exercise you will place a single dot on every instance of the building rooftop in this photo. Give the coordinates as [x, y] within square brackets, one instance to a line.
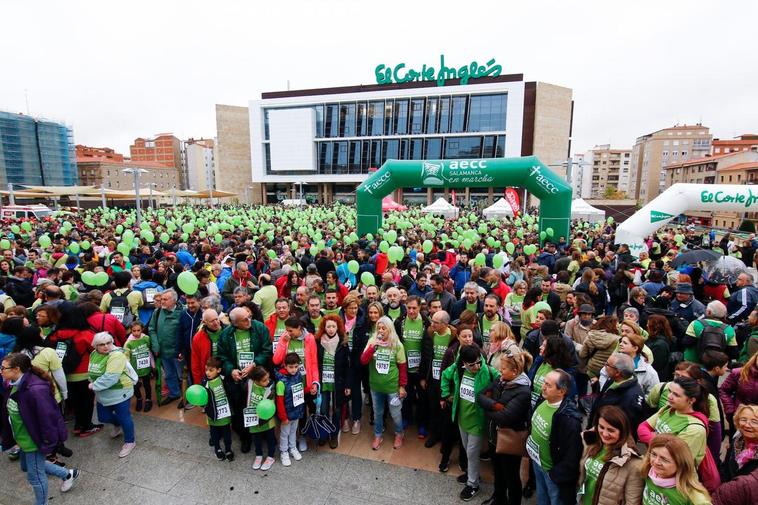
[740, 166]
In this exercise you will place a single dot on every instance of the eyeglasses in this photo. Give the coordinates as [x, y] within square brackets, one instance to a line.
[474, 364]
[7, 367]
[610, 366]
[752, 422]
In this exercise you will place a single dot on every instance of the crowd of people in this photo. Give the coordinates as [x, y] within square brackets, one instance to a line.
[578, 372]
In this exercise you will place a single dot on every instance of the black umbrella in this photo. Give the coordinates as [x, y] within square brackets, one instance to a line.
[695, 256]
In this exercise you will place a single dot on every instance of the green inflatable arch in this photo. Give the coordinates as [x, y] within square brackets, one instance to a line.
[529, 172]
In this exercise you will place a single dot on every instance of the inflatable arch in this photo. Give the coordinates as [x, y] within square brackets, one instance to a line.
[680, 198]
[553, 192]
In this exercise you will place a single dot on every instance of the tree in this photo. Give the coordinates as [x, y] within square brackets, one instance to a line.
[748, 226]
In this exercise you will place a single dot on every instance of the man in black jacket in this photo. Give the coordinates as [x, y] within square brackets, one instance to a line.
[469, 301]
[19, 286]
[554, 444]
[621, 389]
[412, 328]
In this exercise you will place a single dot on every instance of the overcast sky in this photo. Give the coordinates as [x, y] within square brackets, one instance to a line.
[116, 73]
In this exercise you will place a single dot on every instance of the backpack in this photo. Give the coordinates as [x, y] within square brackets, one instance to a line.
[707, 471]
[119, 308]
[678, 324]
[70, 357]
[712, 338]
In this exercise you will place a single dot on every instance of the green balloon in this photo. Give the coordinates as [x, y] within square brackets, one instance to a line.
[391, 236]
[123, 248]
[185, 237]
[197, 395]
[467, 243]
[543, 235]
[353, 266]
[384, 246]
[27, 226]
[498, 260]
[187, 282]
[428, 245]
[101, 279]
[5, 243]
[265, 409]
[148, 235]
[88, 278]
[367, 278]
[128, 235]
[271, 254]
[86, 245]
[550, 232]
[74, 248]
[510, 247]
[164, 237]
[15, 229]
[480, 259]
[188, 227]
[218, 238]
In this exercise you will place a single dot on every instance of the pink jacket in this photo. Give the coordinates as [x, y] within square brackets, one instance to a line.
[311, 357]
[734, 393]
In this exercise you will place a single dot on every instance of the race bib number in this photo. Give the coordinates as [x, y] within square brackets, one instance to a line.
[118, 312]
[298, 395]
[382, 364]
[436, 368]
[274, 344]
[414, 359]
[467, 389]
[60, 349]
[150, 295]
[328, 376]
[533, 450]
[250, 417]
[222, 410]
[143, 360]
[245, 359]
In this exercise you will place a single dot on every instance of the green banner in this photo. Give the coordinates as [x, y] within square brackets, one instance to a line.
[553, 192]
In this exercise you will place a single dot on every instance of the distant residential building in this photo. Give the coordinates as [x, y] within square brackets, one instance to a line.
[233, 166]
[610, 170]
[747, 142]
[199, 167]
[581, 174]
[108, 170]
[87, 153]
[36, 151]
[745, 172]
[653, 152]
[164, 148]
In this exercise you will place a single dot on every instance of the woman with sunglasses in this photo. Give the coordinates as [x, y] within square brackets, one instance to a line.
[461, 384]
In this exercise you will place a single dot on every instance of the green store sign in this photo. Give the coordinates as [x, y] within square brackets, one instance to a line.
[399, 74]
[724, 197]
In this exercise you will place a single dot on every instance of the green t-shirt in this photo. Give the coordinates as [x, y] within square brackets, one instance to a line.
[413, 335]
[316, 322]
[486, 327]
[298, 346]
[592, 469]
[658, 398]
[471, 307]
[223, 410]
[250, 414]
[243, 344]
[538, 443]
[655, 495]
[138, 352]
[467, 407]
[332, 312]
[394, 313]
[383, 373]
[688, 428]
[539, 380]
[213, 336]
[440, 344]
[278, 332]
[696, 328]
[327, 372]
[100, 364]
[20, 433]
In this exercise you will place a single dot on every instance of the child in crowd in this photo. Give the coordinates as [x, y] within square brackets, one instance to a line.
[259, 388]
[218, 410]
[290, 406]
[137, 350]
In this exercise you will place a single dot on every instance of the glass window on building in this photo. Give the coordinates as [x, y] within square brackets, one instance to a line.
[390, 150]
[319, 113]
[444, 123]
[463, 147]
[431, 114]
[433, 149]
[361, 127]
[376, 154]
[347, 120]
[388, 108]
[354, 165]
[376, 118]
[417, 116]
[458, 115]
[325, 158]
[487, 113]
[401, 117]
[488, 147]
[416, 149]
[404, 147]
[339, 165]
[265, 125]
[500, 147]
[331, 121]
[365, 155]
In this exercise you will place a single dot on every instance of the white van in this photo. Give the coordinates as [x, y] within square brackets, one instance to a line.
[21, 211]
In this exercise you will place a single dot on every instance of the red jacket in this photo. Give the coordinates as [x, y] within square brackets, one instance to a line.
[82, 340]
[382, 260]
[282, 287]
[502, 291]
[271, 325]
[200, 350]
[311, 357]
[110, 323]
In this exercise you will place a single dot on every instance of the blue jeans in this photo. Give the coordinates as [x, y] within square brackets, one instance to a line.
[173, 368]
[396, 411]
[37, 469]
[119, 415]
[548, 492]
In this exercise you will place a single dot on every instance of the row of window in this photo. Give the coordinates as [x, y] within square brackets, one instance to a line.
[409, 116]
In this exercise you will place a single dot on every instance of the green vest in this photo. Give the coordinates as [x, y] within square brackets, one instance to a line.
[139, 355]
[223, 409]
[97, 364]
[250, 415]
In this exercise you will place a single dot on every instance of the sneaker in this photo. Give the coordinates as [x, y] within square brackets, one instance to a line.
[296, 454]
[116, 431]
[88, 433]
[444, 467]
[462, 478]
[188, 406]
[220, 455]
[346, 426]
[14, 453]
[356, 427]
[376, 443]
[246, 446]
[127, 449]
[302, 445]
[180, 405]
[398, 440]
[486, 455]
[421, 433]
[229, 455]
[138, 406]
[67, 484]
[334, 442]
[257, 463]
[469, 492]
[285, 458]
[148, 406]
[431, 442]
[267, 464]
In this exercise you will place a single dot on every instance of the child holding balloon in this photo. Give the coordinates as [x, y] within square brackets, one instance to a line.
[259, 416]
[217, 408]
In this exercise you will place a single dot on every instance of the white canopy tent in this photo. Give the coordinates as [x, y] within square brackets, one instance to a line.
[441, 207]
[498, 210]
[583, 210]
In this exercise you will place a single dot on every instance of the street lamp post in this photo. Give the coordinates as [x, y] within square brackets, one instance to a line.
[138, 201]
[102, 195]
[11, 197]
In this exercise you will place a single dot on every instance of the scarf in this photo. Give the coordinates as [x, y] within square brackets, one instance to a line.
[744, 451]
[330, 344]
[661, 482]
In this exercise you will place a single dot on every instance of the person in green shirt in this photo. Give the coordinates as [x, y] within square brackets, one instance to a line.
[489, 316]
[715, 315]
[260, 387]
[411, 328]
[671, 477]
[461, 384]
[266, 295]
[218, 410]
[330, 300]
[137, 351]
